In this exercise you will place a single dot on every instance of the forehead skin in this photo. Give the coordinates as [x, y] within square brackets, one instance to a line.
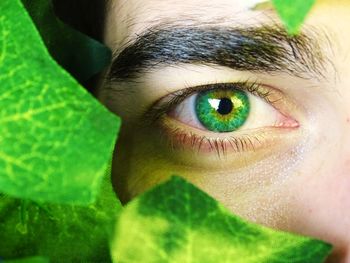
[127, 18]
[328, 168]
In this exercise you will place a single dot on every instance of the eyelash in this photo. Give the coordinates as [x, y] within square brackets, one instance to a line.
[162, 107]
[218, 145]
[239, 144]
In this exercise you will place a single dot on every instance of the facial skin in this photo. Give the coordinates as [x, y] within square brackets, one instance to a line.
[288, 166]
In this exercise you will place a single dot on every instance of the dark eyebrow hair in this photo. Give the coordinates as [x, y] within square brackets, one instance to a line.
[258, 49]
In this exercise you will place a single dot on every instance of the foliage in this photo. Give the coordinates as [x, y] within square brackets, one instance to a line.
[56, 140]
[293, 12]
[62, 233]
[28, 260]
[80, 55]
[176, 222]
[55, 147]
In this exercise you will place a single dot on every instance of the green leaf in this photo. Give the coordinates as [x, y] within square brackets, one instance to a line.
[293, 13]
[176, 222]
[56, 139]
[61, 233]
[28, 260]
[80, 55]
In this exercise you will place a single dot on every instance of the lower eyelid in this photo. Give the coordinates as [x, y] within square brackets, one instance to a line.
[182, 138]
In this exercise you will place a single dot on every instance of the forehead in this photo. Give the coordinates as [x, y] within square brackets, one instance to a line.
[150, 9]
[129, 17]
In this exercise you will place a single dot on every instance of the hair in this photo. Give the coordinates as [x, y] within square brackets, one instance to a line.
[87, 16]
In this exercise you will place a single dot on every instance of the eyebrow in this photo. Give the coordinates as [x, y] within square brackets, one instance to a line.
[265, 49]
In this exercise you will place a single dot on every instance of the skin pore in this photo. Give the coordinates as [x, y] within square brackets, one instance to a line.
[288, 166]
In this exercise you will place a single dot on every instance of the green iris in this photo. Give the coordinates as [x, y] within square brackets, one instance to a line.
[222, 110]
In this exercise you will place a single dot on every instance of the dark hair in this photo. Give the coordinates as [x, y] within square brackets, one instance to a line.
[87, 16]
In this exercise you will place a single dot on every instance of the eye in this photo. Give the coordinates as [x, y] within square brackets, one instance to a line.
[220, 110]
[227, 109]
[239, 116]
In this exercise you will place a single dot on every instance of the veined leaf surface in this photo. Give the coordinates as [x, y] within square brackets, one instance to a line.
[176, 222]
[60, 233]
[56, 140]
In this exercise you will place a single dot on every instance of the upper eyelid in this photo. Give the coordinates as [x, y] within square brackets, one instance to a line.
[181, 95]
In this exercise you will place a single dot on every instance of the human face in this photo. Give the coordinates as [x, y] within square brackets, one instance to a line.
[288, 165]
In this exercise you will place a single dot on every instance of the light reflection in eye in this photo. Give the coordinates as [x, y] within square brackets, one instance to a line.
[222, 110]
[215, 103]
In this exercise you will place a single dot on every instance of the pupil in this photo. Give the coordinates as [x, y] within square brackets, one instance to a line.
[225, 106]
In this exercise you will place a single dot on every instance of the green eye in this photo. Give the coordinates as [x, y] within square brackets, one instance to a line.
[224, 110]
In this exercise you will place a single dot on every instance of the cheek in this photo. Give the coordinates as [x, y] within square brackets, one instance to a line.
[256, 190]
[137, 164]
[321, 196]
[339, 188]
